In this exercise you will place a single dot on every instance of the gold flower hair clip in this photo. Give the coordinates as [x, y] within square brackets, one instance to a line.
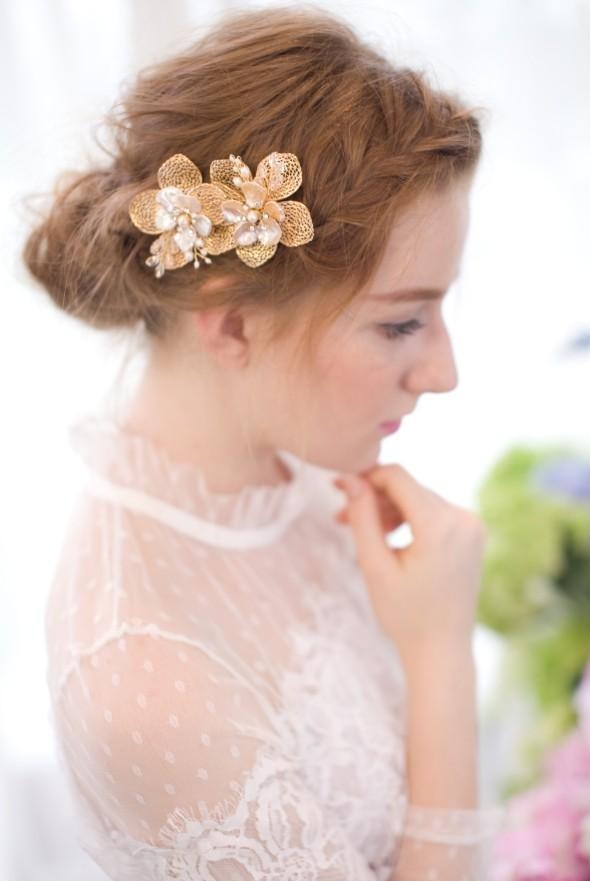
[193, 219]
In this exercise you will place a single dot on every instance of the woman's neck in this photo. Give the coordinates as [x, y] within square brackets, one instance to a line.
[192, 416]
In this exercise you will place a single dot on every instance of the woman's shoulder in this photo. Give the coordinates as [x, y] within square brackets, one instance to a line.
[117, 575]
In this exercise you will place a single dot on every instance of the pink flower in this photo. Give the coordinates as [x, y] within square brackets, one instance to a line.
[582, 702]
[569, 761]
[546, 836]
[541, 840]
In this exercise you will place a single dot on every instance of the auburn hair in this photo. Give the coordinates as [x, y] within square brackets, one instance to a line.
[371, 137]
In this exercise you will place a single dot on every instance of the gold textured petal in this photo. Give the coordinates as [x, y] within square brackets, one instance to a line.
[142, 211]
[179, 171]
[256, 255]
[221, 172]
[210, 196]
[297, 226]
[220, 239]
[230, 192]
[280, 173]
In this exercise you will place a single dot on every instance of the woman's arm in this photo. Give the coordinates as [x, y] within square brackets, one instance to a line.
[446, 835]
[442, 728]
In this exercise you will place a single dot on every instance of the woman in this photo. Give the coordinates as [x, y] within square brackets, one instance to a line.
[243, 687]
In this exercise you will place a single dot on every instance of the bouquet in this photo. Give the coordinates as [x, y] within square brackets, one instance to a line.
[535, 589]
[547, 834]
[536, 594]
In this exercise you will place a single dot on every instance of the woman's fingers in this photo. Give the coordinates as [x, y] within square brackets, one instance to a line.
[417, 505]
[390, 515]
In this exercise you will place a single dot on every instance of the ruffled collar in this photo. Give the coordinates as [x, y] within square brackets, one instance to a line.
[115, 456]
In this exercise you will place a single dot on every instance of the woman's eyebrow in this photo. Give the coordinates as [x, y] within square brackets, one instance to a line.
[408, 295]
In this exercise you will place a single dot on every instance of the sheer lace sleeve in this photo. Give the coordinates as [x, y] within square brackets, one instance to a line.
[192, 773]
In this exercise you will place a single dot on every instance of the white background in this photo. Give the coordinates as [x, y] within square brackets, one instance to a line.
[523, 294]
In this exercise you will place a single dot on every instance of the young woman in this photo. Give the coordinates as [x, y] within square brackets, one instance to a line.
[244, 687]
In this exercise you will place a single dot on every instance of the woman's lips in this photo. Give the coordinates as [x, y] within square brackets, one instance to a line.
[390, 427]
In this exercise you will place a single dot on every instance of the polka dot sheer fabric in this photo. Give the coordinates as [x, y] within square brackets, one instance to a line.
[225, 705]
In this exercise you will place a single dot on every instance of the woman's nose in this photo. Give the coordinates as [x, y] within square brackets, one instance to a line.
[436, 371]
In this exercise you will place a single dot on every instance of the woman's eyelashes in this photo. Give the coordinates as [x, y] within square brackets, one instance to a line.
[394, 331]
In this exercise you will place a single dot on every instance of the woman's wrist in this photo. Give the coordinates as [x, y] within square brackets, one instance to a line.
[440, 658]
[442, 727]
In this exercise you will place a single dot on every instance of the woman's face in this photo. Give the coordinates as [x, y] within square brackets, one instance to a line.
[382, 352]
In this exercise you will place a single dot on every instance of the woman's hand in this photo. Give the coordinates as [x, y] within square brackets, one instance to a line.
[425, 594]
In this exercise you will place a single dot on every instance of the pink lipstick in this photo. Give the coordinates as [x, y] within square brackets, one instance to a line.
[390, 427]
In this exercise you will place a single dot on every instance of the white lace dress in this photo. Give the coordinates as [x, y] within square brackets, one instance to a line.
[226, 707]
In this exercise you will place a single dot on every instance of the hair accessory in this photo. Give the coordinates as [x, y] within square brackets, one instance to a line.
[193, 219]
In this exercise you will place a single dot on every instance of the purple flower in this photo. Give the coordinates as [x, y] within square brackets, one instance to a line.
[566, 476]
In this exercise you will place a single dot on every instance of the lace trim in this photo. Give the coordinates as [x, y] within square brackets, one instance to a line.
[134, 461]
[453, 826]
[266, 831]
[191, 525]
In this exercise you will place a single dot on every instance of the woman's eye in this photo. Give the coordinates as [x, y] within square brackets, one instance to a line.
[392, 331]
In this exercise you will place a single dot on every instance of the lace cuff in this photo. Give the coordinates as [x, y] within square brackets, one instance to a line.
[447, 844]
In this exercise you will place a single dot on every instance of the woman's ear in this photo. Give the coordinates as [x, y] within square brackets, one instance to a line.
[221, 332]
[230, 333]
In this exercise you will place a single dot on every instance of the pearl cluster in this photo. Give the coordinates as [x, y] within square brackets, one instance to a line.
[253, 223]
[242, 171]
[183, 213]
[235, 209]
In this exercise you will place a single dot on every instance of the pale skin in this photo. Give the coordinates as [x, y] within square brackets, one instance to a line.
[207, 398]
[212, 397]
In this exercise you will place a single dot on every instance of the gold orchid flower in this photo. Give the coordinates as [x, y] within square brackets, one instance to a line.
[194, 219]
[179, 212]
[254, 221]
